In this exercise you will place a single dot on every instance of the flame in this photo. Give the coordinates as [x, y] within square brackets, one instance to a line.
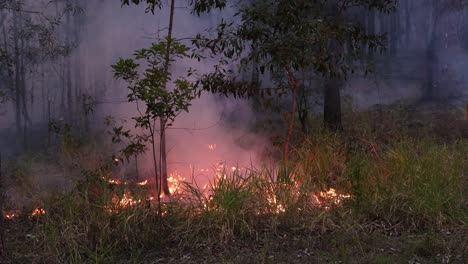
[38, 211]
[114, 181]
[175, 181]
[329, 198]
[278, 207]
[143, 183]
[126, 201]
[10, 215]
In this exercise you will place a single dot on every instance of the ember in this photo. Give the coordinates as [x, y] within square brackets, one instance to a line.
[329, 198]
[10, 215]
[38, 211]
[143, 183]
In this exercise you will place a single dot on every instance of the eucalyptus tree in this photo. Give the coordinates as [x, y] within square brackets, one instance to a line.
[293, 39]
[163, 97]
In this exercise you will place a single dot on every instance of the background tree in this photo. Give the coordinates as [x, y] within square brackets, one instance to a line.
[294, 39]
[29, 41]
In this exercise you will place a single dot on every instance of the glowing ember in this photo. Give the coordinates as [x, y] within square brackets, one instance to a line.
[329, 198]
[38, 211]
[113, 181]
[278, 207]
[175, 181]
[143, 183]
[126, 201]
[10, 215]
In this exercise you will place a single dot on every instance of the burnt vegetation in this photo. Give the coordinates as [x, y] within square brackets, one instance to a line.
[337, 131]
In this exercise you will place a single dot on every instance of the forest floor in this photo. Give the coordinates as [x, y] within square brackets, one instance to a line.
[290, 245]
[405, 170]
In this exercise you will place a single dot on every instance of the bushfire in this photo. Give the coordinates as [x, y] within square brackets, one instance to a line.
[11, 215]
[323, 200]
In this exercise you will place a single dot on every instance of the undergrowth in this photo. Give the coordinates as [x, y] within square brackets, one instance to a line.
[415, 184]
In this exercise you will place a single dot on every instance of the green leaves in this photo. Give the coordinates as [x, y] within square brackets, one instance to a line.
[313, 37]
[151, 5]
[198, 6]
[151, 84]
[205, 6]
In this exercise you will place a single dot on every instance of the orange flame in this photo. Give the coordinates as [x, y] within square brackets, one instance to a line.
[329, 198]
[38, 211]
[10, 215]
[143, 183]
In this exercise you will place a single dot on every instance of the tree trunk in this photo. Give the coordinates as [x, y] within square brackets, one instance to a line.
[293, 87]
[18, 116]
[430, 89]
[165, 185]
[332, 104]
[332, 99]
[68, 65]
[430, 62]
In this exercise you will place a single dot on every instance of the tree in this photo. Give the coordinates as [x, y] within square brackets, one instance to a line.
[162, 103]
[28, 41]
[294, 39]
[438, 9]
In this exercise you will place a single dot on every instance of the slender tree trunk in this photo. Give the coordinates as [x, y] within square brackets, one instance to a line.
[302, 110]
[371, 28]
[430, 91]
[293, 85]
[165, 185]
[332, 104]
[17, 88]
[2, 223]
[24, 101]
[332, 98]
[68, 61]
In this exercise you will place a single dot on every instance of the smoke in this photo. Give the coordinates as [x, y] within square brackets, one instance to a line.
[198, 140]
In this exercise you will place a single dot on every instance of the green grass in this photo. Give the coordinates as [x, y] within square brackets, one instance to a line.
[409, 202]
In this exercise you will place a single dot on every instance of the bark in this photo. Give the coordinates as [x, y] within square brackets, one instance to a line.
[332, 104]
[303, 112]
[17, 88]
[165, 185]
[293, 85]
[371, 28]
[2, 223]
[332, 99]
[430, 91]
[68, 80]
[24, 103]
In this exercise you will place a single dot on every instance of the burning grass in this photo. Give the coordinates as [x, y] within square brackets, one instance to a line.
[336, 190]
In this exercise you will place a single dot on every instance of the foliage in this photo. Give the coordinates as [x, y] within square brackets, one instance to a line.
[294, 34]
[199, 6]
[150, 87]
[291, 40]
[163, 100]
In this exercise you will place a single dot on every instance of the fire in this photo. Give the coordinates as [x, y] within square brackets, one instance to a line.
[38, 211]
[143, 183]
[329, 198]
[114, 181]
[279, 208]
[126, 201]
[10, 215]
[175, 181]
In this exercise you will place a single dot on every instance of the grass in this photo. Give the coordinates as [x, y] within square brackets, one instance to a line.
[409, 204]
